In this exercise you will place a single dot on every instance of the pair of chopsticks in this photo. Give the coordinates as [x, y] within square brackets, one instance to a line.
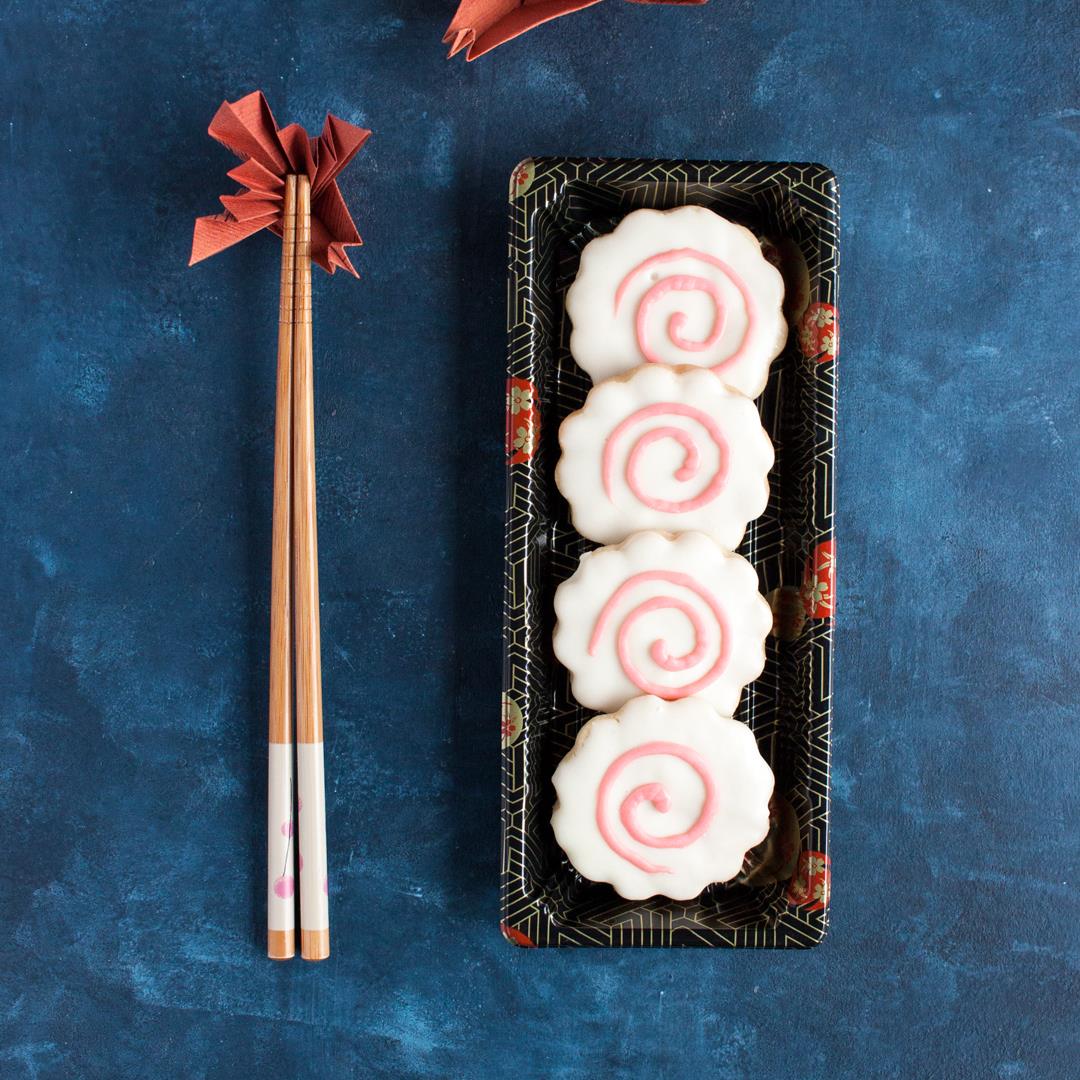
[278, 168]
[295, 664]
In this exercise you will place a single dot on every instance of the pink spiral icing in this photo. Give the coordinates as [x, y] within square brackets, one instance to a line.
[658, 796]
[658, 651]
[691, 459]
[687, 283]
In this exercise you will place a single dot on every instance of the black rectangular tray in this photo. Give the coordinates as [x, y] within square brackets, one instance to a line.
[781, 898]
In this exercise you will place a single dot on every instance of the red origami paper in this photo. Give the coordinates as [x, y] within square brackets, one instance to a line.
[268, 153]
[480, 25]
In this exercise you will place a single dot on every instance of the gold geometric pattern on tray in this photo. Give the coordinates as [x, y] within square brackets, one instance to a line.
[558, 206]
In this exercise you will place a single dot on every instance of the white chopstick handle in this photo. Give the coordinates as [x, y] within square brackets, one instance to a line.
[314, 887]
[280, 853]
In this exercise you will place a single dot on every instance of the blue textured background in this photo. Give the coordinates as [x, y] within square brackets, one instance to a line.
[136, 419]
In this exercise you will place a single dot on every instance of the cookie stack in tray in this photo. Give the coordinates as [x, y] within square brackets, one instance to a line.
[676, 317]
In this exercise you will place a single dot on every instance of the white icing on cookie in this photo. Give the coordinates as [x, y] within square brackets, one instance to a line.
[682, 286]
[663, 797]
[664, 448]
[663, 615]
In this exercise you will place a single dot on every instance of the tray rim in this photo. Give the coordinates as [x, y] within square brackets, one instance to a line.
[809, 932]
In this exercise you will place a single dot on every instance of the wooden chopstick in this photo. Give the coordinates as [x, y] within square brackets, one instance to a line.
[280, 848]
[314, 901]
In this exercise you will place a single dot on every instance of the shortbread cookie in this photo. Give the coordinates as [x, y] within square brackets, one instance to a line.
[663, 797]
[682, 286]
[664, 448]
[663, 615]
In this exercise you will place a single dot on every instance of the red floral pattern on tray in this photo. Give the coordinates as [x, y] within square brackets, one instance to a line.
[522, 177]
[819, 333]
[516, 937]
[819, 582]
[511, 721]
[522, 420]
[809, 887]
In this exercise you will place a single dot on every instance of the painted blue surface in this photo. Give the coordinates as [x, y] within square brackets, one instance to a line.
[135, 421]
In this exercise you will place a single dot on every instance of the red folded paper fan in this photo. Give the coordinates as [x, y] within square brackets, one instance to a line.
[480, 25]
[247, 127]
